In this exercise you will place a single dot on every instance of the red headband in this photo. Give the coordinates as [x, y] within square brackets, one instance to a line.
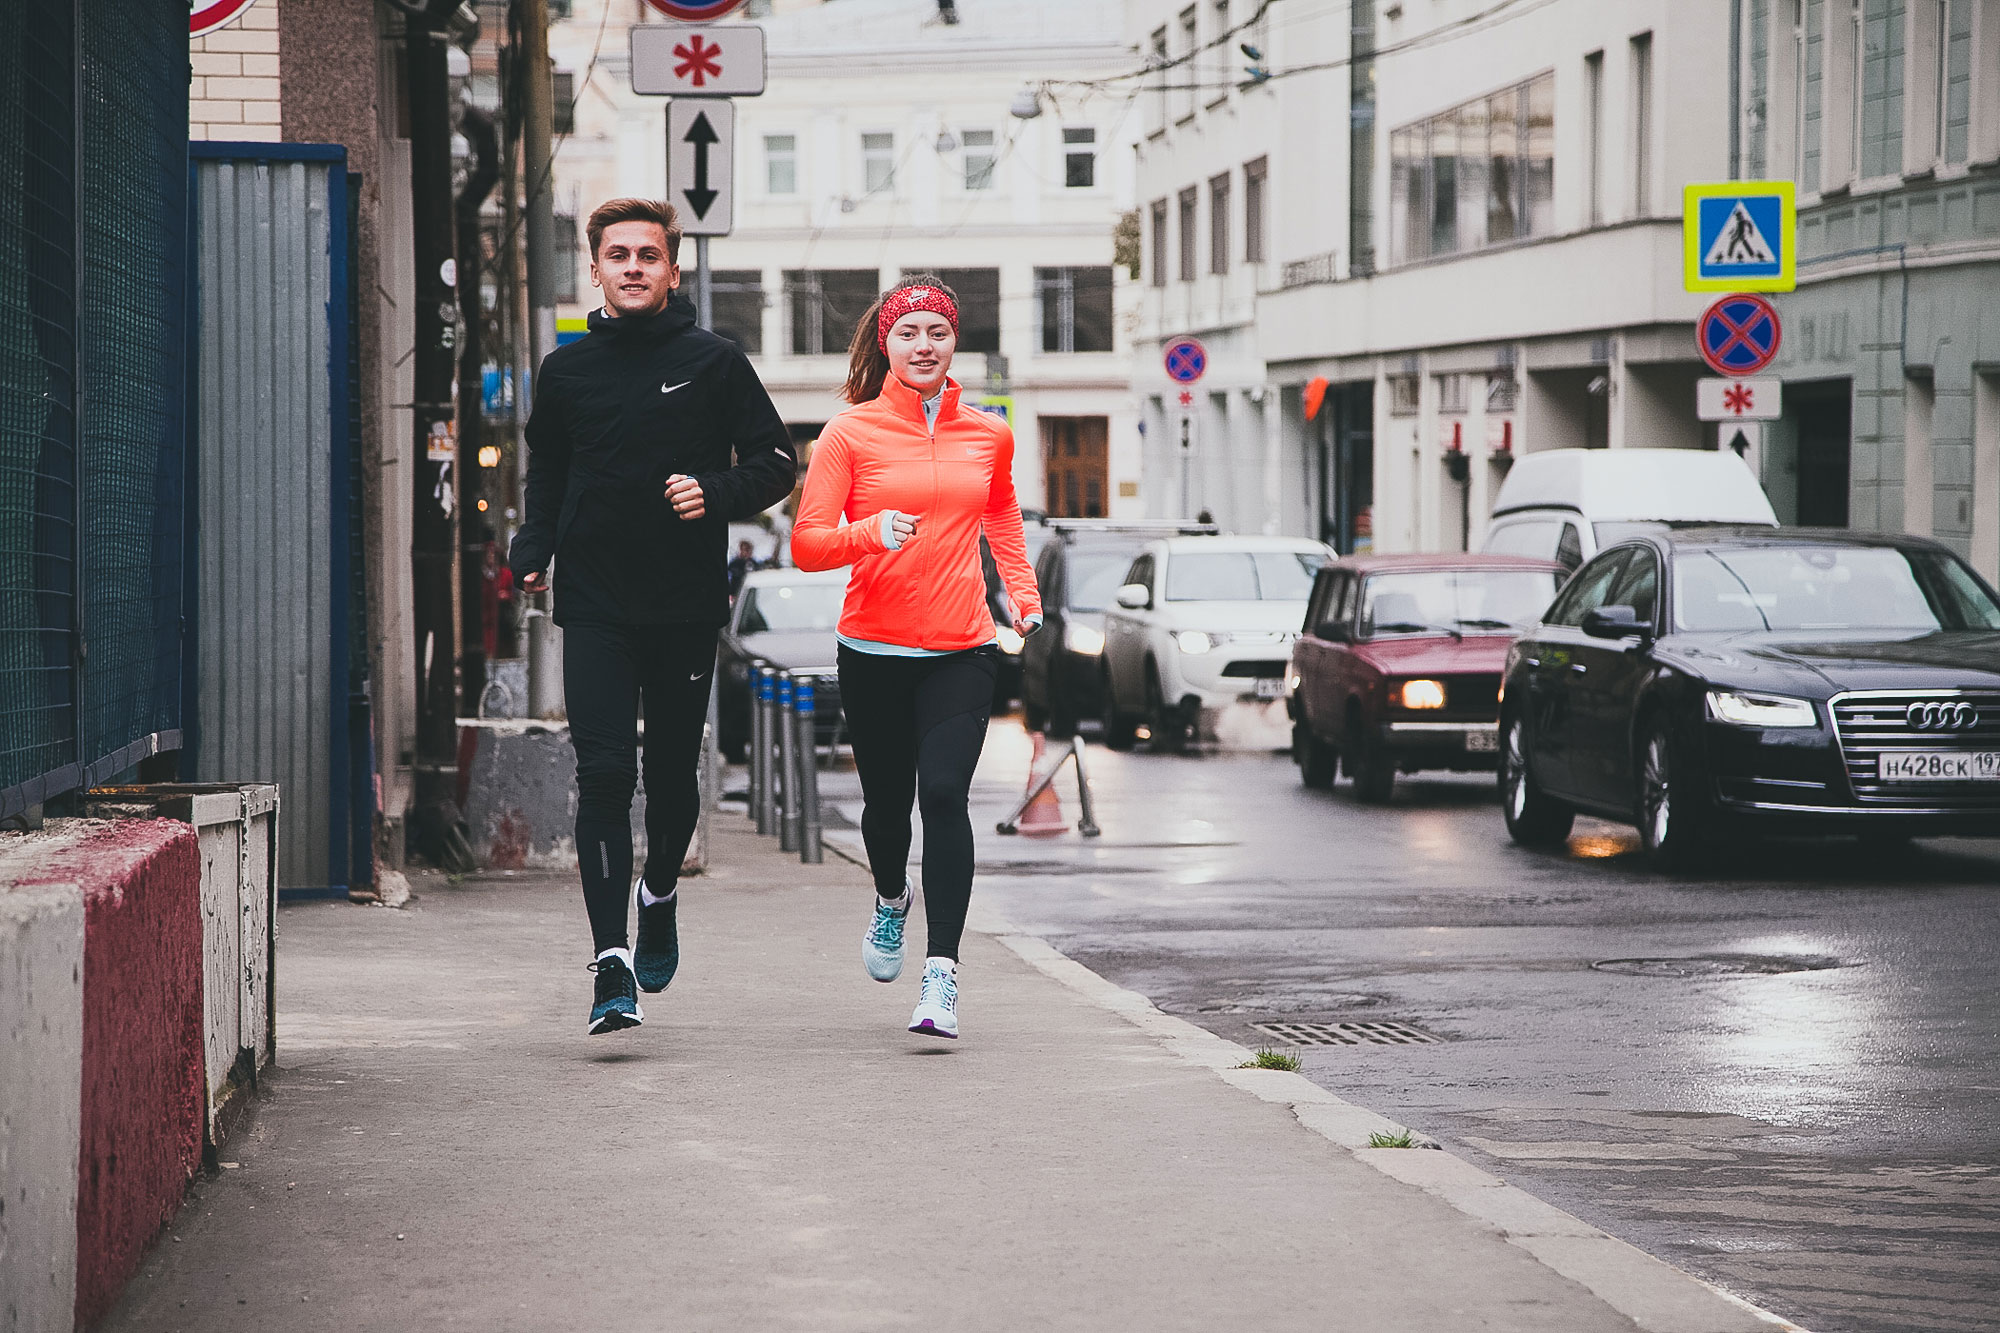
[908, 301]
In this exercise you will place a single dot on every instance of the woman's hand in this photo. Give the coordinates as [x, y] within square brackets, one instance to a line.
[684, 494]
[904, 527]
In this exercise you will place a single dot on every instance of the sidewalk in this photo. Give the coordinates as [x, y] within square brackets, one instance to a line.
[446, 1149]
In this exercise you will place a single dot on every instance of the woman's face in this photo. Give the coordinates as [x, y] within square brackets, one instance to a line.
[920, 348]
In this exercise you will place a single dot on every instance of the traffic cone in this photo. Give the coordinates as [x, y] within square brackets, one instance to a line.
[1043, 818]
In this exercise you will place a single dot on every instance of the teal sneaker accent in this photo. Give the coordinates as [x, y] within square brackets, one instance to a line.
[882, 946]
[659, 953]
[617, 1004]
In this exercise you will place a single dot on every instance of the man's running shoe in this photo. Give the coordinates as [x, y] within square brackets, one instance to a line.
[617, 1000]
[882, 946]
[659, 951]
[937, 1011]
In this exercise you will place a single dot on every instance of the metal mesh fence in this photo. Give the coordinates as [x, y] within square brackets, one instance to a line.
[93, 206]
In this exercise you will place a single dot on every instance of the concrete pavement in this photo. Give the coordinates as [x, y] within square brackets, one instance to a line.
[445, 1148]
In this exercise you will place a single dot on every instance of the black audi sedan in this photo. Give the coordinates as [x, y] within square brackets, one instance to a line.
[1704, 682]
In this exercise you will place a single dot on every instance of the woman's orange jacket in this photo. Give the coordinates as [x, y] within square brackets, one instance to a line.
[882, 455]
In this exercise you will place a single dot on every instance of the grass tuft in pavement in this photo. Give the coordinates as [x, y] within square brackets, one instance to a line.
[1402, 1140]
[1270, 1059]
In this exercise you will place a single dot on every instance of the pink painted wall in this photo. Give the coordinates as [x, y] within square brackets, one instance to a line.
[143, 1099]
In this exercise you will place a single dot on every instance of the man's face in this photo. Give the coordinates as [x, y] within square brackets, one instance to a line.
[632, 267]
[743, 549]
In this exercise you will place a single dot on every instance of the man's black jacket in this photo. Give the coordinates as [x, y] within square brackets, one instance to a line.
[616, 413]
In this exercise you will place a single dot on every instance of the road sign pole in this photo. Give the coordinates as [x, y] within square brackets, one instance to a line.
[704, 285]
[1187, 465]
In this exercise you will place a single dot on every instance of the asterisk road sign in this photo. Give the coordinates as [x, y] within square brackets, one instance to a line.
[697, 60]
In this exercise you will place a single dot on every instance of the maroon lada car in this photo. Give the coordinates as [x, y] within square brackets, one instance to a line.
[1398, 667]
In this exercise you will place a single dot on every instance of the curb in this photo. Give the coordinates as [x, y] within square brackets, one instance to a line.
[1654, 1295]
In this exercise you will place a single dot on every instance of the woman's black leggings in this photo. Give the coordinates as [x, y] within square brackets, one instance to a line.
[917, 725]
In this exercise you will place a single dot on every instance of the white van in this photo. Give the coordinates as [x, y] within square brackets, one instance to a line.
[1568, 504]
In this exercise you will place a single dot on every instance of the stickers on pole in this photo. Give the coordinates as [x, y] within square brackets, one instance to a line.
[1740, 236]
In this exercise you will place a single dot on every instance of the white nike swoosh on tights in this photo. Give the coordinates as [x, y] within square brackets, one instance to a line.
[669, 388]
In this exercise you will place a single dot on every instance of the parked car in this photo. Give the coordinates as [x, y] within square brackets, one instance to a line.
[1568, 504]
[787, 618]
[1707, 681]
[1007, 685]
[1082, 564]
[1201, 623]
[1398, 666]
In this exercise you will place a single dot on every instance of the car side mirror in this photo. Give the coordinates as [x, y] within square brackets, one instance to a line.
[1335, 631]
[1615, 622]
[1134, 597]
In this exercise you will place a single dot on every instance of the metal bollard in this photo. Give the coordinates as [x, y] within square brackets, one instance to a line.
[767, 781]
[810, 851]
[752, 752]
[788, 767]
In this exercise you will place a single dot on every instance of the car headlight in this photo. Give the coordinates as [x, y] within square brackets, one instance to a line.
[1761, 710]
[1193, 642]
[1420, 694]
[1010, 642]
[1083, 639]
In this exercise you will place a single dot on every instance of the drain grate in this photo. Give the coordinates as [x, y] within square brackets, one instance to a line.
[1719, 965]
[1379, 1032]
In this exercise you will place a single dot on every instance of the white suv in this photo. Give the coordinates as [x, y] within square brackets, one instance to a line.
[1201, 623]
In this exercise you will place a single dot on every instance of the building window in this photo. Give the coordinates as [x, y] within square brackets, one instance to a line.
[1957, 80]
[979, 159]
[1812, 93]
[1642, 125]
[1593, 108]
[1080, 158]
[824, 306]
[1187, 211]
[1225, 48]
[1757, 90]
[1480, 174]
[781, 163]
[1254, 177]
[1157, 120]
[978, 292]
[1075, 308]
[738, 300]
[1184, 76]
[562, 108]
[1882, 88]
[1159, 269]
[1218, 224]
[878, 162]
[566, 257]
[1403, 395]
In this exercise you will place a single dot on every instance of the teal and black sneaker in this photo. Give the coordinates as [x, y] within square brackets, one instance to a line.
[617, 1005]
[882, 946]
[659, 953]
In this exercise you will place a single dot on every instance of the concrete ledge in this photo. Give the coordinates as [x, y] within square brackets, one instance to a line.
[41, 1063]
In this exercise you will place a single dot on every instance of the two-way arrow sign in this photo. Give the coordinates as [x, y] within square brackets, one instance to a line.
[701, 150]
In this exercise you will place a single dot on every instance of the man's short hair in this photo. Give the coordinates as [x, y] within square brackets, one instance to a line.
[613, 211]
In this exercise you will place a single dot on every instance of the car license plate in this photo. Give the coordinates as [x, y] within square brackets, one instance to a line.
[1270, 687]
[1484, 741]
[1930, 766]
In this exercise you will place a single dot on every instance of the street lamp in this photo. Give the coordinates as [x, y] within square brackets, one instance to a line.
[1027, 103]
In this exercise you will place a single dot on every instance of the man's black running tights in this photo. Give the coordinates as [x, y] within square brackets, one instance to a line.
[607, 671]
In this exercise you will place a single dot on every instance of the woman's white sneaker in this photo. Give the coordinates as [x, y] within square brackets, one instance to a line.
[882, 946]
[936, 1014]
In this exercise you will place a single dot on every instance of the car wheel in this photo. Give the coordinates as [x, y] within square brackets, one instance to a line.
[1534, 818]
[1676, 827]
[1317, 761]
[1369, 763]
[1169, 732]
[1121, 730]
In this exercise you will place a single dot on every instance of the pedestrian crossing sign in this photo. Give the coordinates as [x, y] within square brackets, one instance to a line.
[1740, 236]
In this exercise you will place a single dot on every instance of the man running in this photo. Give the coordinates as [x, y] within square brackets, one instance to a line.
[631, 487]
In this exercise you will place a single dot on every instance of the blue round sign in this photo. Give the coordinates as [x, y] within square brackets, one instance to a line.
[1186, 360]
[1738, 335]
[695, 11]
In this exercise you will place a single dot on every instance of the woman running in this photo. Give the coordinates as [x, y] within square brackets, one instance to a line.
[919, 477]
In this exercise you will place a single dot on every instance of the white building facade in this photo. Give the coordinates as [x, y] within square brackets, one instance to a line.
[890, 140]
[1471, 249]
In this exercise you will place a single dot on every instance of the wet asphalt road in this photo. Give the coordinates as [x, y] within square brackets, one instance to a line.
[1823, 1141]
